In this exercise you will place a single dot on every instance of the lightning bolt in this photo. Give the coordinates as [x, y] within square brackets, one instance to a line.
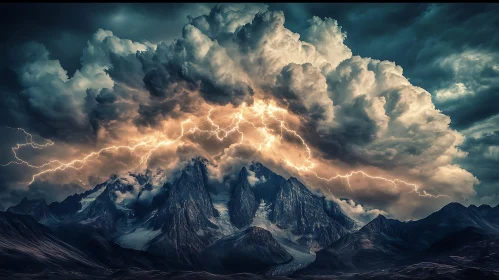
[263, 111]
[29, 142]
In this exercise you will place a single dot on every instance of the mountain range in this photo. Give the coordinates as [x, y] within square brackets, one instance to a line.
[131, 226]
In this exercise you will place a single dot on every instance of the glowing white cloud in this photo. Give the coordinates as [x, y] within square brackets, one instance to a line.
[330, 113]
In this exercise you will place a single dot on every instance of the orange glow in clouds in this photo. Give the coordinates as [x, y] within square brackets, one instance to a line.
[263, 125]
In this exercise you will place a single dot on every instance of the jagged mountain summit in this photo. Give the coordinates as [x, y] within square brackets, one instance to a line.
[36, 208]
[243, 203]
[271, 226]
[180, 218]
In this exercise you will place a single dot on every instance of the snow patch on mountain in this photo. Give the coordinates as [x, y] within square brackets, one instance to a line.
[88, 221]
[300, 260]
[87, 200]
[138, 239]
[262, 220]
[302, 255]
[220, 202]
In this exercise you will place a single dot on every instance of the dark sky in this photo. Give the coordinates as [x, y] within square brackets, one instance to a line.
[450, 50]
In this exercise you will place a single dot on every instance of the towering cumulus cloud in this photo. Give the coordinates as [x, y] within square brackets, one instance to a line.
[352, 113]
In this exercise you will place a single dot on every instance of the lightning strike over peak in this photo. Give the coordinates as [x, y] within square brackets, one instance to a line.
[262, 111]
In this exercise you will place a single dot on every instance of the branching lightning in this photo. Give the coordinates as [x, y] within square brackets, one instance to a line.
[260, 110]
[29, 142]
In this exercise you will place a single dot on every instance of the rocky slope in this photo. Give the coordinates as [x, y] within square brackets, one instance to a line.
[36, 208]
[28, 246]
[385, 242]
[252, 250]
[134, 226]
[297, 209]
[185, 218]
[178, 220]
[242, 204]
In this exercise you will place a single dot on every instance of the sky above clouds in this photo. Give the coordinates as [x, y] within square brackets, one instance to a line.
[402, 91]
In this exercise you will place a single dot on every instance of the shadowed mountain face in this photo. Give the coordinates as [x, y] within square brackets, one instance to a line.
[186, 218]
[36, 208]
[102, 214]
[380, 243]
[455, 229]
[298, 210]
[28, 246]
[242, 204]
[419, 271]
[72, 203]
[470, 246]
[181, 227]
[266, 190]
[252, 250]
[334, 211]
[453, 217]
[269, 227]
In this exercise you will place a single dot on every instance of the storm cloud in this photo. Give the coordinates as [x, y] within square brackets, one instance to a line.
[355, 112]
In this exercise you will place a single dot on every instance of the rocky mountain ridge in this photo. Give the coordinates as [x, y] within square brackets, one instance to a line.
[181, 220]
[273, 227]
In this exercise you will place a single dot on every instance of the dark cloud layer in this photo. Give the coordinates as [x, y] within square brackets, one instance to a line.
[64, 28]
